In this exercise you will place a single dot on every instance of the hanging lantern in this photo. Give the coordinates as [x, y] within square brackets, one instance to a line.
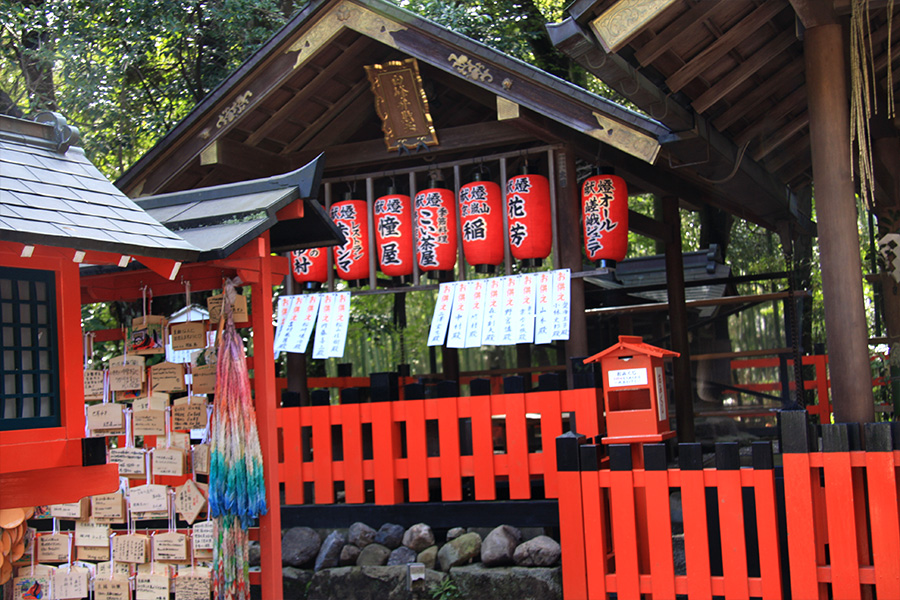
[394, 234]
[435, 229]
[352, 258]
[309, 266]
[481, 217]
[528, 211]
[604, 209]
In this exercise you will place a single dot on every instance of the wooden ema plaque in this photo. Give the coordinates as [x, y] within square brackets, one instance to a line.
[148, 498]
[108, 508]
[188, 336]
[200, 459]
[189, 501]
[126, 377]
[105, 417]
[149, 422]
[29, 586]
[192, 587]
[121, 569]
[131, 548]
[171, 547]
[168, 461]
[112, 589]
[70, 584]
[53, 548]
[92, 553]
[93, 384]
[214, 306]
[91, 534]
[131, 461]
[155, 401]
[147, 335]
[77, 511]
[167, 377]
[152, 586]
[203, 379]
[189, 414]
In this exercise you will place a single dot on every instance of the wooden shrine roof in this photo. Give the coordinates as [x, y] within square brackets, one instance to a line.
[726, 76]
[305, 92]
[52, 195]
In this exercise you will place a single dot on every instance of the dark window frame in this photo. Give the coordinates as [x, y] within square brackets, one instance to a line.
[13, 375]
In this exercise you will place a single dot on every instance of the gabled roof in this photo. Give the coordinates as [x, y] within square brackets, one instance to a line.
[221, 219]
[52, 195]
[635, 344]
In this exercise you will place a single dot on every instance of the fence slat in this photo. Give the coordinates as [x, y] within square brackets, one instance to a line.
[840, 509]
[448, 431]
[483, 448]
[659, 522]
[354, 487]
[767, 521]
[293, 456]
[416, 450]
[517, 447]
[596, 532]
[881, 475]
[551, 427]
[322, 457]
[385, 449]
[696, 533]
[624, 522]
[731, 522]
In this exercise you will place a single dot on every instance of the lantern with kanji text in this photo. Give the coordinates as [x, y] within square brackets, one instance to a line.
[310, 266]
[604, 208]
[435, 229]
[351, 259]
[529, 218]
[481, 218]
[394, 235]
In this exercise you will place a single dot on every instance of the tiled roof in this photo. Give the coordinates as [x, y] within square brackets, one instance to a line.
[51, 194]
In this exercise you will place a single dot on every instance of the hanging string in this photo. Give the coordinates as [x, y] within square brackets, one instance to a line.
[112, 556]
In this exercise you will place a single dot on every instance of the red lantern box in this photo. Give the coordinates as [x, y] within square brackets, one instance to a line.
[634, 391]
[352, 258]
[435, 229]
[394, 234]
[528, 209]
[481, 217]
[604, 210]
[309, 265]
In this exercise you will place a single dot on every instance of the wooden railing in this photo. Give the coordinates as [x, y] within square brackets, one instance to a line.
[839, 535]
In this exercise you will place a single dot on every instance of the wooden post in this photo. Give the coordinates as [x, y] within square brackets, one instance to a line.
[684, 391]
[845, 321]
[266, 404]
[568, 220]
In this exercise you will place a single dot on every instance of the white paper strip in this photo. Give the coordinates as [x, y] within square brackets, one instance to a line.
[285, 305]
[302, 320]
[543, 308]
[525, 308]
[342, 322]
[325, 326]
[441, 318]
[507, 325]
[562, 301]
[493, 311]
[456, 334]
[476, 313]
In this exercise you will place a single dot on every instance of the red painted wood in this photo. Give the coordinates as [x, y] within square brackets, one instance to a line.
[416, 450]
[731, 523]
[571, 535]
[551, 428]
[767, 529]
[292, 473]
[659, 529]
[448, 432]
[881, 475]
[596, 531]
[696, 535]
[56, 485]
[483, 448]
[385, 449]
[842, 535]
[517, 447]
[625, 534]
[801, 525]
[354, 486]
[322, 456]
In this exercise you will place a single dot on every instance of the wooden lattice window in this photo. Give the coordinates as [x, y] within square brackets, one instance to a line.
[29, 371]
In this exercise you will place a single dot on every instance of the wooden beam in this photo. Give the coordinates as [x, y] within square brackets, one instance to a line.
[57, 485]
[799, 147]
[713, 53]
[325, 119]
[751, 101]
[705, 303]
[644, 225]
[676, 31]
[771, 118]
[783, 134]
[235, 155]
[736, 77]
[625, 19]
[166, 267]
[813, 13]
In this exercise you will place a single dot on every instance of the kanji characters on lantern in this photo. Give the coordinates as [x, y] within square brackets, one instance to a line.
[528, 211]
[309, 265]
[604, 203]
[435, 229]
[481, 217]
[352, 258]
[394, 234]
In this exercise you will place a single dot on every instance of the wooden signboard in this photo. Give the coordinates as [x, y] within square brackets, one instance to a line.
[401, 104]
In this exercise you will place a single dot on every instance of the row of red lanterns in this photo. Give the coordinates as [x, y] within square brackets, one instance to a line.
[604, 211]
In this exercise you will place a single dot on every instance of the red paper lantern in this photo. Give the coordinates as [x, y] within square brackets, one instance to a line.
[352, 258]
[394, 234]
[435, 229]
[528, 211]
[604, 209]
[310, 265]
[481, 217]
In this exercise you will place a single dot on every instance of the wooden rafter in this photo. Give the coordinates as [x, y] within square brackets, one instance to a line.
[751, 101]
[783, 134]
[332, 113]
[773, 117]
[681, 28]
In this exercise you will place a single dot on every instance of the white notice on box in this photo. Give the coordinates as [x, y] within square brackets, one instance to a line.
[627, 377]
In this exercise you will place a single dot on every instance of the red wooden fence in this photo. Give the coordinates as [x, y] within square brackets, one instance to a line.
[841, 538]
[388, 468]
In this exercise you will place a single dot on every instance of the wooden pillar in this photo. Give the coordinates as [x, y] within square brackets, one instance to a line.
[684, 391]
[568, 220]
[845, 321]
[266, 419]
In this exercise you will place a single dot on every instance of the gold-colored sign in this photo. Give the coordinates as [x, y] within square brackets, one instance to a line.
[401, 104]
